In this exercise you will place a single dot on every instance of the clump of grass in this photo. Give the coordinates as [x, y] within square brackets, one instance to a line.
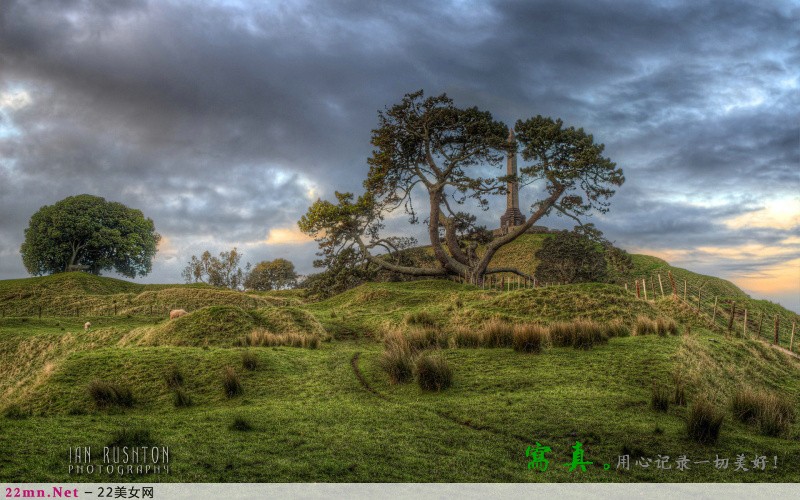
[181, 398]
[397, 361]
[231, 383]
[249, 361]
[174, 377]
[772, 413]
[131, 436]
[616, 328]
[426, 338]
[15, 412]
[433, 372]
[704, 421]
[660, 398]
[106, 394]
[562, 334]
[241, 425]
[264, 338]
[679, 397]
[498, 333]
[645, 326]
[530, 338]
[580, 333]
[468, 337]
[421, 318]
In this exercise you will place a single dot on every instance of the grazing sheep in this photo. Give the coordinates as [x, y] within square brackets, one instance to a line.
[86, 326]
[177, 313]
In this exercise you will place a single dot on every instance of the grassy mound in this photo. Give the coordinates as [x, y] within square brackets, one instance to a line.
[215, 325]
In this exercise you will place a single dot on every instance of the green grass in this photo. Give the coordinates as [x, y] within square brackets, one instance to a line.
[335, 413]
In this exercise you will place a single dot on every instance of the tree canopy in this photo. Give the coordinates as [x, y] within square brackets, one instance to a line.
[92, 234]
[427, 150]
[275, 274]
[223, 271]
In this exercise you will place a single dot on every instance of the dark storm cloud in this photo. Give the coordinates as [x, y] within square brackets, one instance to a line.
[223, 120]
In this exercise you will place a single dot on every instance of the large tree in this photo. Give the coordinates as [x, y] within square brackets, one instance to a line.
[431, 147]
[87, 232]
[275, 274]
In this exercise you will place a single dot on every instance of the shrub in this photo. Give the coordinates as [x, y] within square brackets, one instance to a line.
[704, 421]
[240, 424]
[181, 398]
[468, 337]
[249, 361]
[131, 437]
[498, 333]
[397, 362]
[660, 398]
[530, 338]
[772, 413]
[433, 372]
[231, 383]
[174, 377]
[106, 394]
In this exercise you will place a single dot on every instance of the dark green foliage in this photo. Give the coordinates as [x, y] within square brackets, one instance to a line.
[181, 398]
[241, 425]
[131, 436]
[660, 398]
[433, 372]
[106, 394]
[568, 257]
[704, 421]
[231, 383]
[88, 231]
[530, 338]
[15, 412]
[222, 271]
[249, 361]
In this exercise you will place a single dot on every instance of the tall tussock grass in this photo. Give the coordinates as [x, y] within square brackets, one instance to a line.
[468, 337]
[580, 333]
[106, 394]
[704, 421]
[231, 383]
[398, 362]
[659, 326]
[530, 338]
[772, 413]
[433, 372]
[421, 318]
[264, 338]
[498, 333]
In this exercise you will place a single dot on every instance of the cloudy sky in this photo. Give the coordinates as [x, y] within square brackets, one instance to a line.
[223, 120]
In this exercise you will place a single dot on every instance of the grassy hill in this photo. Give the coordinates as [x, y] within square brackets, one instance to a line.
[329, 412]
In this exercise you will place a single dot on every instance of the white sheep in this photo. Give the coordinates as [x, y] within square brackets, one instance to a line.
[86, 326]
[177, 313]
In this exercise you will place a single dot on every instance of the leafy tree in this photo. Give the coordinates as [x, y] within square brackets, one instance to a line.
[223, 271]
[431, 147]
[570, 257]
[90, 233]
[271, 275]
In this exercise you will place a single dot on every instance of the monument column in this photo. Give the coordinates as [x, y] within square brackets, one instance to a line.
[513, 216]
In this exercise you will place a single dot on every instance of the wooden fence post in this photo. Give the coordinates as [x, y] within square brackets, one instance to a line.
[685, 287]
[791, 339]
[760, 322]
[777, 322]
[698, 304]
[644, 285]
[672, 282]
[744, 327]
[730, 321]
[660, 286]
[638, 296]
[626, 287]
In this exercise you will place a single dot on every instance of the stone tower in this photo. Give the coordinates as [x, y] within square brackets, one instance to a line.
[513, 216]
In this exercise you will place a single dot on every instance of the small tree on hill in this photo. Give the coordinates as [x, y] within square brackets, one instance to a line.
[445, 153]
[568, 257]
[271, 275]
[90, 233]
[223, 271]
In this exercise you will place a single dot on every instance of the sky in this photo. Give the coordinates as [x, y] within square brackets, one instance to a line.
[224, 120]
